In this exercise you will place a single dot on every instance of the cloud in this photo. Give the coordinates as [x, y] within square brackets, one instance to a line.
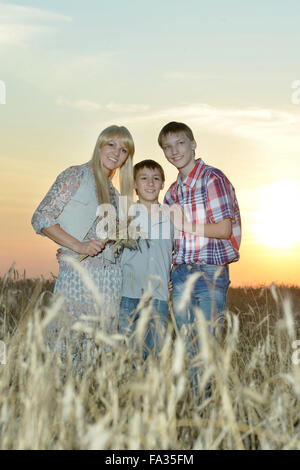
[90, 106]
[272, 127]
[19, 24]
[131, 108]
[81, 105]
[183, 76]
[259, 124]
[10, 11]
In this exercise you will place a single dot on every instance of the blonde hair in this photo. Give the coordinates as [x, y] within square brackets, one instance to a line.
[125, 171]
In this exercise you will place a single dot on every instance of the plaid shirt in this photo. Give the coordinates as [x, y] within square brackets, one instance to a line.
[207, 196]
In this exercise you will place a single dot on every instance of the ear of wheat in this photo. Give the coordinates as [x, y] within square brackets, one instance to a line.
[123, 235]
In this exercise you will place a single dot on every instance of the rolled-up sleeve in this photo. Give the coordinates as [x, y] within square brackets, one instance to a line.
[219, 200]
[60, 193]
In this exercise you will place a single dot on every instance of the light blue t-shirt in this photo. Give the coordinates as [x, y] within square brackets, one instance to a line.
[153, 259]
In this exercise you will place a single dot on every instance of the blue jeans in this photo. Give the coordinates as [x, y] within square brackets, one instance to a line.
[156, 327]
[209, 293]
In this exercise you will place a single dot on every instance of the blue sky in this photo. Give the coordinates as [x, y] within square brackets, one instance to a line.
[167, 49]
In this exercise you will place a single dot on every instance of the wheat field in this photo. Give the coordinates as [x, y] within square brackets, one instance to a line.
[254, 378]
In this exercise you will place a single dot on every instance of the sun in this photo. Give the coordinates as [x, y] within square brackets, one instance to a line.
[277, 221]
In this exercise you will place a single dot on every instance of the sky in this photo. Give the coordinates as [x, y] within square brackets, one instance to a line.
[230, 70]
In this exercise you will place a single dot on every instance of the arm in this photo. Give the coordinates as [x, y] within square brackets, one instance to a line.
[220, 209]
[58, 235]
[221, 230]
[60, 193]
[44, 218]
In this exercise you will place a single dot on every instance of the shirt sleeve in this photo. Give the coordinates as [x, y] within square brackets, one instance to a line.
[170, 197]
[219, 200]
[60, 193]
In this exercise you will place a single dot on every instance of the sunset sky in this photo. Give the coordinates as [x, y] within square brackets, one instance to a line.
[230, 70]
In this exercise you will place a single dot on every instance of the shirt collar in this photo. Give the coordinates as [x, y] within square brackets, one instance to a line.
[192, 177]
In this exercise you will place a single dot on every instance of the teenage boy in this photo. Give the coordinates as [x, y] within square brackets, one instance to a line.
[211, 233]
[147, 269]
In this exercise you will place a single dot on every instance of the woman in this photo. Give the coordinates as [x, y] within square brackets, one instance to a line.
[67, 215]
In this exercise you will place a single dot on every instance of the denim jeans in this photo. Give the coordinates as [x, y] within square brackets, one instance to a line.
[209, 293]
[156, 327]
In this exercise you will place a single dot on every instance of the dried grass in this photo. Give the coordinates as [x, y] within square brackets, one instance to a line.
[255, 387]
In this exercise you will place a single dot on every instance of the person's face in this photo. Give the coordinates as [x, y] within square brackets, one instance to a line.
[113, 155]
[180, 151]
[148, 183]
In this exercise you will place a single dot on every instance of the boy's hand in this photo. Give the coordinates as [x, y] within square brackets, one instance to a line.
[170, 287]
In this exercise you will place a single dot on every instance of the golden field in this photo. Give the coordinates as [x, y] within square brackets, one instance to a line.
[254, 377]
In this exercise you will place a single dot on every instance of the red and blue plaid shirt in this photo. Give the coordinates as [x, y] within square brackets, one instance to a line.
[207, 196]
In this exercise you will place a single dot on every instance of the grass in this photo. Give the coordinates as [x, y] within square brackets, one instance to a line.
[255, 386]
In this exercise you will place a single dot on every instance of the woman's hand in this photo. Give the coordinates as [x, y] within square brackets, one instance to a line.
[170, 287]
[90, 248]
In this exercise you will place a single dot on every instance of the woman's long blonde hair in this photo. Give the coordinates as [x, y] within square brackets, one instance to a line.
[125, 171]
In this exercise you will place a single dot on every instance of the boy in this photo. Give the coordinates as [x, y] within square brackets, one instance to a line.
[148, 268]
[211, 233]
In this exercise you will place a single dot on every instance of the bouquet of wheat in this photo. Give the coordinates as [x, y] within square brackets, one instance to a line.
[122, 232]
